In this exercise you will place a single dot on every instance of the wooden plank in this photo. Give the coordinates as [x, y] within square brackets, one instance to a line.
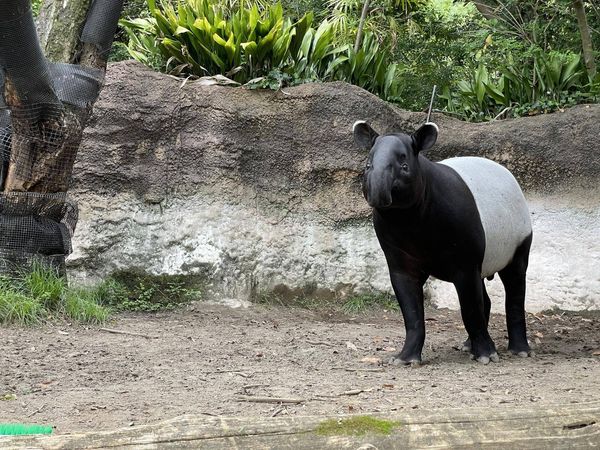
[561, 426]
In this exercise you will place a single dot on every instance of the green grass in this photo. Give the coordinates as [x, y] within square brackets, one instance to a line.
[32, 296]
[137, 291]
[370, 301]
[309, 297]
[356, 426]
[84, 305]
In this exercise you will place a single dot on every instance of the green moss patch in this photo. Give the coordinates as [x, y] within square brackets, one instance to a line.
[356, 426]
[139, 291]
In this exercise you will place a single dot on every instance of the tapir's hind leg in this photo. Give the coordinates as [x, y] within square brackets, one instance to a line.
[487, 306]
[513, 278]
[473, 310]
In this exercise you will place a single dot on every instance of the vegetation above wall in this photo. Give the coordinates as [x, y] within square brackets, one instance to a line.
[490, 59]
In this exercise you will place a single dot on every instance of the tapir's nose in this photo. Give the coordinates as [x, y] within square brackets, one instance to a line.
[378, 192]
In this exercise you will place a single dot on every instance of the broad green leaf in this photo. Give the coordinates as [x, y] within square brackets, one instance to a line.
[333, 65]
[302, 26]
[249, 47]
[181, 30]
[495, 93]
[204, 25]
[306, 43]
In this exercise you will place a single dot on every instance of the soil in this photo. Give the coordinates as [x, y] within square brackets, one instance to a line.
[209, 359]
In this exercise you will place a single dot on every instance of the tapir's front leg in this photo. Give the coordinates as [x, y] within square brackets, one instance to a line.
[409, 292]
[471, 297]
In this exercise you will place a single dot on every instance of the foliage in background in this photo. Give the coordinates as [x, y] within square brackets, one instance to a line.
[35, 6]
[551, 81]
[41, 293]
[435, 46]
[250, 41]
[519, 57]
[529, 63]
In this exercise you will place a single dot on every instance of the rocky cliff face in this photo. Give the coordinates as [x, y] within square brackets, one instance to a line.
[255, 189]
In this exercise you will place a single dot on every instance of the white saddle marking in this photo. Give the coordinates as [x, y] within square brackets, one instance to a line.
[502, 208]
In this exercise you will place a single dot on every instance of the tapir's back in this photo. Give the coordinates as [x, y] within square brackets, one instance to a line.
[502, 209]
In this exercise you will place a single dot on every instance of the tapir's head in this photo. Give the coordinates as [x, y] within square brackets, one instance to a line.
[392, 177]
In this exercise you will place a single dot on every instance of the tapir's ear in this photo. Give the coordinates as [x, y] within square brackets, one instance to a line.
[425, 137]
[364, 135]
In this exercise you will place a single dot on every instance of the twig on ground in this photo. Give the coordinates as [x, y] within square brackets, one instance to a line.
[129, 333]
[248, 398]
[327, 344]
[250, 386]
[235, 372]
[351, 392]
[37, 410]
[278, 411]
[349, 369]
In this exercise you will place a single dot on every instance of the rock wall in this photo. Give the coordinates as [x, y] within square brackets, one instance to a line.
[259, 189]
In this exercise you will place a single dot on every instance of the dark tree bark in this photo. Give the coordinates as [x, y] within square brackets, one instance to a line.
[59, 26]
[49, 104]
[361, 26]
[44, 145]
[586, 39]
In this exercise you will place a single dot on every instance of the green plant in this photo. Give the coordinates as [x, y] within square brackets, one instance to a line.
[45, 285]
[32, 296]
[254, 44]
[202, 37]
[16, 307]
[136, 291]
[366, 301]
[119, 52]
[553, 80]
[84, 305]
[368, 68]
[434, 45]
[35, 6]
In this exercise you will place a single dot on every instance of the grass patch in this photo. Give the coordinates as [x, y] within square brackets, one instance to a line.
[369, 301]
[356, 426]
[309, 297]
[135, 291]
[33, 296]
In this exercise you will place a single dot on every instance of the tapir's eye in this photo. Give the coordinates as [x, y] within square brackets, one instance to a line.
[404, 167]
[368, 166]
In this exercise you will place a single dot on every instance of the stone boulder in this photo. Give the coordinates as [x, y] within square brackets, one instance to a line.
[255, 189]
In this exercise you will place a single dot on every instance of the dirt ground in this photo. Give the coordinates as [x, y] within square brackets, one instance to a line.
[210, 359]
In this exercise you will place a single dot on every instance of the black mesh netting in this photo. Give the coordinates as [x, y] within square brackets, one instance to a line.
[35, 223]
[101, 23]
[43, 109]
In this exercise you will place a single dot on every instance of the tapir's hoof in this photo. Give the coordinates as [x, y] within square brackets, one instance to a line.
[524, 353]
[396, 360]
[466, 346]
[486, 359]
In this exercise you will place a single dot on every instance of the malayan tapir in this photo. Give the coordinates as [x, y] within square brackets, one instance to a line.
[460, 220]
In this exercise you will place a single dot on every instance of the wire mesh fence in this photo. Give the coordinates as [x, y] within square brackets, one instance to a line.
[43, 110]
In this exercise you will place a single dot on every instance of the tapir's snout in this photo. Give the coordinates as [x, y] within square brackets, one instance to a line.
[377, 189]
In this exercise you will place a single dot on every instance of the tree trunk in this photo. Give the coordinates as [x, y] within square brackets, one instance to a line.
[49, 106]
[586, 39]
[487, 11]
[44, 147]
[59, 27]
[361, 26]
